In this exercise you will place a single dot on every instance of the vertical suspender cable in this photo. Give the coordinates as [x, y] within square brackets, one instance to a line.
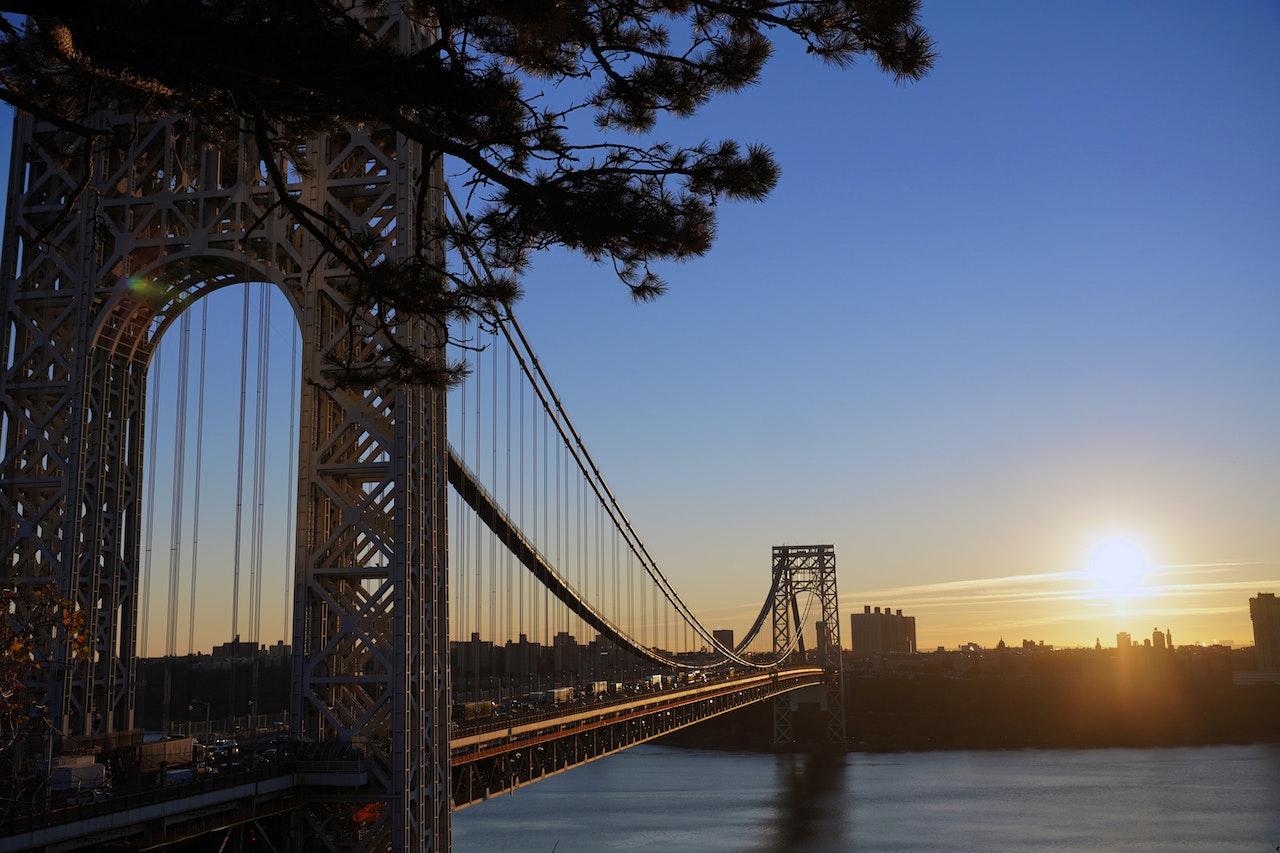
[536, 477]
[631, 610]
[463, 540]
[259, 482]
[175, 521]
[153, 408]
[520, 467]
[195, 524]
[254, 483]
[545, 632]
[260, 461]
[493, 472]
[617, 581]
[291, 481]
[244, 383]
[601, 594]
[235, 573]
[477, 565]
[644, 634]
[179, 471]
[510, 557]
[662, 613]
[563, 501]
[580, 535]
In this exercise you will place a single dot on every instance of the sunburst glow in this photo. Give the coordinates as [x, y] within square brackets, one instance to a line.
[1118, 565]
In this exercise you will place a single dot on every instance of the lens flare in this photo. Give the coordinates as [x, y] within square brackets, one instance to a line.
[141, 286]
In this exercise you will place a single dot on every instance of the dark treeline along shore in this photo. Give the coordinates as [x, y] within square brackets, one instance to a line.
[1060, 699]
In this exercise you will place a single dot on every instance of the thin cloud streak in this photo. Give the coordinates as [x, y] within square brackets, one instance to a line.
[1160, 614]
[1213, 566]
[977, 583]
[1151, 614]
[924, 595]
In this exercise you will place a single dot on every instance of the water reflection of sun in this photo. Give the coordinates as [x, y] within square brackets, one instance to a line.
[1118, 565]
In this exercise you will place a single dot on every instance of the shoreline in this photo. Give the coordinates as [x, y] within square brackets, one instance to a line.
[888, 713]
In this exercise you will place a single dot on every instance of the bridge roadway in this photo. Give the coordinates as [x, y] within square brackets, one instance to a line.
[486, 760]
[494, 758]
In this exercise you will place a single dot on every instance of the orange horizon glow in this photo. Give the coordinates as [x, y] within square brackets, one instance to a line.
[1078, 608]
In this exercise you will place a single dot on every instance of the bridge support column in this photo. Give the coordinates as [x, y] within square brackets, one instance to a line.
[808, 569]
[106, 242]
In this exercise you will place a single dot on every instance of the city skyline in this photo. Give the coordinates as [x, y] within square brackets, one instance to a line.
[1137, 636]
[987, 322]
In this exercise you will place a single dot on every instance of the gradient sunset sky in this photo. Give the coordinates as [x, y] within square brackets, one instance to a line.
[987, 321]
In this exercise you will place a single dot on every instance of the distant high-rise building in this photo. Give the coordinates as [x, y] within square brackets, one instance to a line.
[1123, 640]
[723, 636]
[1157, 638]
[877, 633]
[237, 648]
[821, 637]
[566, 654]
[1265, 613]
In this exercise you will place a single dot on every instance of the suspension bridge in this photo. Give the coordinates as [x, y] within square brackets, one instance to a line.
[431, 562]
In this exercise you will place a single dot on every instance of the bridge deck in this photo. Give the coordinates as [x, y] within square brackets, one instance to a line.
[496, 758]
[485, 760]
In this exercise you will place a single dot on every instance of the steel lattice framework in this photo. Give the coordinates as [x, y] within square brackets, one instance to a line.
[799, 570]
[165, 215]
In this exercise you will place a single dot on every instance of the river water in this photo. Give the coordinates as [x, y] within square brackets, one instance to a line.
[655, 798]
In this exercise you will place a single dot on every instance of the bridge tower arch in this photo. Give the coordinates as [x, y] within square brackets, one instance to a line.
[808, 570]
[162, 213]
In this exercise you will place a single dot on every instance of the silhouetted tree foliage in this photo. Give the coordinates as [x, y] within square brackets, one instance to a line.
[546, 110]
[29, 615]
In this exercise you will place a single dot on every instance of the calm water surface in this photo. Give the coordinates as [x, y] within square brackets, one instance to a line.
[1219, 798]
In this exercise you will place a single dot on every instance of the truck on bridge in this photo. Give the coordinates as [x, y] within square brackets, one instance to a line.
[554, 696]
[159, 752]
[470, 712]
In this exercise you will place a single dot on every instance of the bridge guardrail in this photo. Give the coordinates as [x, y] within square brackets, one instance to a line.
[498, 724]
[476, 741]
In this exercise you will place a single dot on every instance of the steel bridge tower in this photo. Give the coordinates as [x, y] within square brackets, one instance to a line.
[808, 569]
[167, 215]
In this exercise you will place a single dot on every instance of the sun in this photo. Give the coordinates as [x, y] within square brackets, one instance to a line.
[1118, 564]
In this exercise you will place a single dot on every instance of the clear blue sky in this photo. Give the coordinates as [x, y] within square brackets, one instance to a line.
[986, 320]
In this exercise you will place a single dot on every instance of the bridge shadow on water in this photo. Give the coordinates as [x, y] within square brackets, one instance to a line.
[812, 799]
